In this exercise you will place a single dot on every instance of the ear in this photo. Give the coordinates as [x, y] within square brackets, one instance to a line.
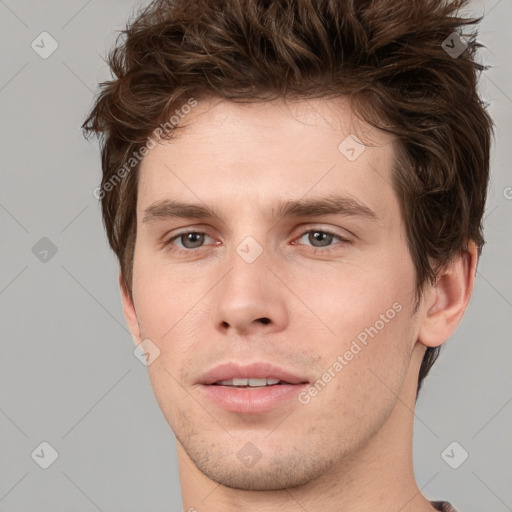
[129, 311]
[449, 298]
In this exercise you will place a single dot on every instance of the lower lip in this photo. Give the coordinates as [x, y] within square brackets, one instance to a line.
[251, 401]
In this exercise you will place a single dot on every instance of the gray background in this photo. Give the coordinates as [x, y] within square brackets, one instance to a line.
[68, 373]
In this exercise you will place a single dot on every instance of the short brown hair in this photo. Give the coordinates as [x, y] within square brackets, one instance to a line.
[389, 57]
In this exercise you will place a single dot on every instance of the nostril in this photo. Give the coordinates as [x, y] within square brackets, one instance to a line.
[264, 320]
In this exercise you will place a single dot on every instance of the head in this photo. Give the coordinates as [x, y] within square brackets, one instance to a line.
[244, 110]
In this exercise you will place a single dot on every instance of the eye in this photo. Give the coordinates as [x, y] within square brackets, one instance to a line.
[188, 240]
[319, 238]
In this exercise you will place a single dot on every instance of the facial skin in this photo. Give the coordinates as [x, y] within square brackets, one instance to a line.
[349, 447]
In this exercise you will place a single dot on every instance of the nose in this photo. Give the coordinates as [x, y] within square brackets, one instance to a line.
[250, 299]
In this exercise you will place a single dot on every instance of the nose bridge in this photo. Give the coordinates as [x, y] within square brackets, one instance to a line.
[247, 279]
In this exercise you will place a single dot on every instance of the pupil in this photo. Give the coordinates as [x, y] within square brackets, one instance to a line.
[324, 239]
[192, 240]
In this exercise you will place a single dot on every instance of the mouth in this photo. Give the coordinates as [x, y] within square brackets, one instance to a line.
[250, 383]
[250, 388]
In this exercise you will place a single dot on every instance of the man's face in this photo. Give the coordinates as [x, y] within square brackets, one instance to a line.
[321, 300]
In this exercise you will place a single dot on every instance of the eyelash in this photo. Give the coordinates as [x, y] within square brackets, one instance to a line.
[324, 250]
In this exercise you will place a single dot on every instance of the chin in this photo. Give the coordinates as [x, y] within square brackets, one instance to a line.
[285, 471]
[264, 479]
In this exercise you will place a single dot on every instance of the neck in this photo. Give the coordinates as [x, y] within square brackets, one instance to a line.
[377, 476]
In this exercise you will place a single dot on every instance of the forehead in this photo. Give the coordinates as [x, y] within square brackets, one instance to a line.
[239, 154]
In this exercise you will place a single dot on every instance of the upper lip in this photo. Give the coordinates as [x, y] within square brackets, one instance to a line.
[257, 370]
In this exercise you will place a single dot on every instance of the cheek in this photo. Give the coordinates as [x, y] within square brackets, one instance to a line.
[364, 363]
[352, 298]
[367, 310]
[164, 296]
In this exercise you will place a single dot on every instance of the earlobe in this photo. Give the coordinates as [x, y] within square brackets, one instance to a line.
[449, 298]
[129, 311]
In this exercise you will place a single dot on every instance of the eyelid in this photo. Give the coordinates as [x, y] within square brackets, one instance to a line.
[327, 230]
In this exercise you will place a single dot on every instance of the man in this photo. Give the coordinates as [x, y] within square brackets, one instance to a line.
[295, 194]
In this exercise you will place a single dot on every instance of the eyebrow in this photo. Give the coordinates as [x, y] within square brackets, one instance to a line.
[330, 205]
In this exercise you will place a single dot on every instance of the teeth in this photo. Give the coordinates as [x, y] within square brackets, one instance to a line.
[256, 383]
